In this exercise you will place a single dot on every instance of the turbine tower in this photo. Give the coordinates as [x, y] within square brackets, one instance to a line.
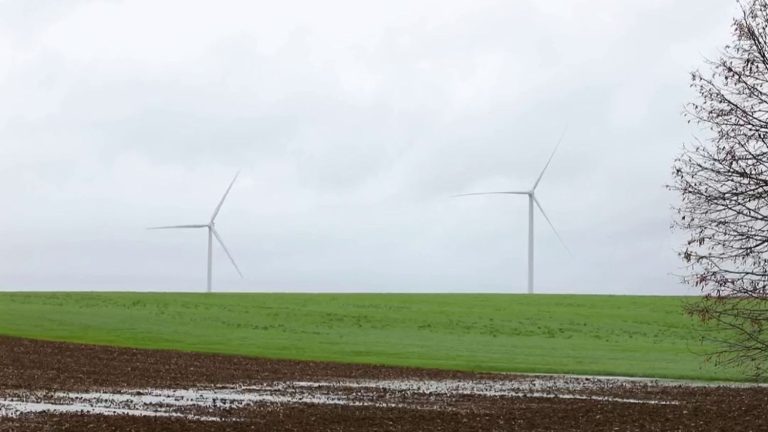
[531, 201]
[211, 225]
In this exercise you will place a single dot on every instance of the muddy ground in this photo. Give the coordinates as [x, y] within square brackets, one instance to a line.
[49, 386]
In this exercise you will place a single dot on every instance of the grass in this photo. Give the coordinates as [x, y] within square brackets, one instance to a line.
[606, 335]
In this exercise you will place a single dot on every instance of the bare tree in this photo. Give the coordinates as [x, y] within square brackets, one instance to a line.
[723, 187]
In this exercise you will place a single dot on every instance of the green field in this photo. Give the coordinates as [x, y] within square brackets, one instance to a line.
[610, 335]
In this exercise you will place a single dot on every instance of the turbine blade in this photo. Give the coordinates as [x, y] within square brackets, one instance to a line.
[491, 193]
[218, 207]
[177, 226]
[538, 204]
[549, 160]
[232, 260]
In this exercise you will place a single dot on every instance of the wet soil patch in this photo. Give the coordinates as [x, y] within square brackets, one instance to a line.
[111, 389]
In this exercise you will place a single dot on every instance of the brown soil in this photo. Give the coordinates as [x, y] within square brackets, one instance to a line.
[38, 367]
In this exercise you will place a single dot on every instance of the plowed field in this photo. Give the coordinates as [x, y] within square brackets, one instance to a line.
[51, 386]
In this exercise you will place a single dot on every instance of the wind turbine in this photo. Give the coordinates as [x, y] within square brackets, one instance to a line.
[211, 225]
[531, 193]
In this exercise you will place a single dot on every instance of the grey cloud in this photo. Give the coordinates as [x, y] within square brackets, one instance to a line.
[353, 124]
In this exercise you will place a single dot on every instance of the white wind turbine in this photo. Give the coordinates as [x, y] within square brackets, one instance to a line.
[531, 201]
[211, 225]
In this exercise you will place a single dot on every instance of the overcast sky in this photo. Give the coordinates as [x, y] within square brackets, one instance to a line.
[353, 123]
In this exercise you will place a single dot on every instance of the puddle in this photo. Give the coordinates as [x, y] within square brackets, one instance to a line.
[414, 394]
[11, 408]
